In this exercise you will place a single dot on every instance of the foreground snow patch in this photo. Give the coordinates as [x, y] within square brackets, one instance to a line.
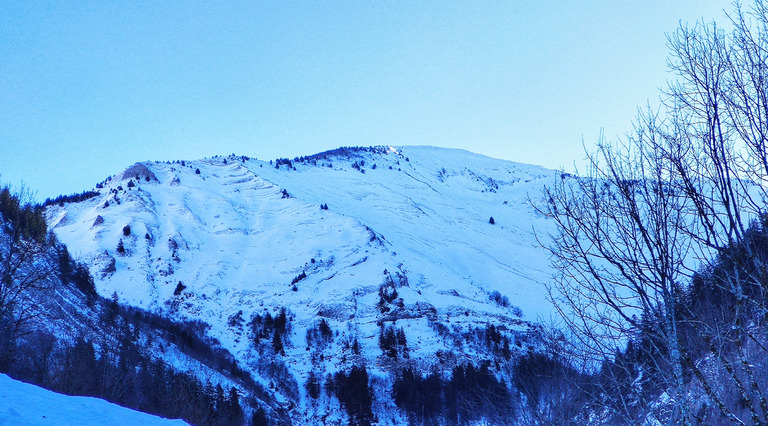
[25, 404]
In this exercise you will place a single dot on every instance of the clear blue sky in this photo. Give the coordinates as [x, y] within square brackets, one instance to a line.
[88, 88]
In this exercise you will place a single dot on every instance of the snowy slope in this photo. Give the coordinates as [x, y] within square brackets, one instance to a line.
[22, 404]
[236, 240]
[434, 210]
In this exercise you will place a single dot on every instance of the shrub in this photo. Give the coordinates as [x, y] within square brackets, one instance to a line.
[299, 277]
[500, 300]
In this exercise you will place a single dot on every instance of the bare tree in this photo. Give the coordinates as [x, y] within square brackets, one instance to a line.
[26, 267]
[676, 198]
[619, 252]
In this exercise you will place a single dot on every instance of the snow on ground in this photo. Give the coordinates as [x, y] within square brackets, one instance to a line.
[23, 404]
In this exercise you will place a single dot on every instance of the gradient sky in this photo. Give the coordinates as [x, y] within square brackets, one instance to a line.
[88, 88]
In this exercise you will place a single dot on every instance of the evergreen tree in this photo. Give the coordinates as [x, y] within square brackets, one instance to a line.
[259, 418]
[313, 385]
[277, 343]
[354, 394]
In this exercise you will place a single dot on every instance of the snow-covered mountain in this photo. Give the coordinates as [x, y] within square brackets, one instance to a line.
[437, 242]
